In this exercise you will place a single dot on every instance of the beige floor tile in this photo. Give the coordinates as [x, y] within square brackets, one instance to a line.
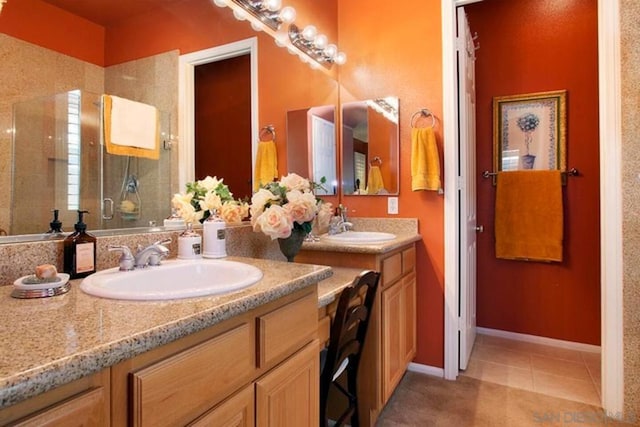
[559, 353]
[591, 358]
[500, 374]
[559, 367]
[499, 354]
[566, 388]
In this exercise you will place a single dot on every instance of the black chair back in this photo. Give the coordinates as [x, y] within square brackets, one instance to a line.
[348, 331]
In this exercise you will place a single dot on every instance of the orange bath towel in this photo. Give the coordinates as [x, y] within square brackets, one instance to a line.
[528, 216]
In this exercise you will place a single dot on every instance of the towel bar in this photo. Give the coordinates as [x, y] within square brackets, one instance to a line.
[565, 174]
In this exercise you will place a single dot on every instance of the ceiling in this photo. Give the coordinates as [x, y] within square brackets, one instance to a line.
[108, 12]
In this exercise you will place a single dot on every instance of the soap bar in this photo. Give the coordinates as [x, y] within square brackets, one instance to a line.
[46, 271]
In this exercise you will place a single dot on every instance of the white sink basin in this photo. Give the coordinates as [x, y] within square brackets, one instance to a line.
[360, 237]
[172, 280]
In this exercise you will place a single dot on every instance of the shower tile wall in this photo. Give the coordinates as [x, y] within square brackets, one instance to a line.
[152, 80]
[29, 71]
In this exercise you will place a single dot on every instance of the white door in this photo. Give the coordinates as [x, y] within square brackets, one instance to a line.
[467, 190]
[323, 149]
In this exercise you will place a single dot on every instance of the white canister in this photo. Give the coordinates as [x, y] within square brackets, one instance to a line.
[189, 244]
[214, 239]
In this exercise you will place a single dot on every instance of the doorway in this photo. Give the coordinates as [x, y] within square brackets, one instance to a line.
[609, 203]
[187, 107]
[223, 122]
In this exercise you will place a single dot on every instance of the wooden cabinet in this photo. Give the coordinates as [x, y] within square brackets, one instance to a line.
[81, 402]
[216, 377]
[288, 395]
[391, 339]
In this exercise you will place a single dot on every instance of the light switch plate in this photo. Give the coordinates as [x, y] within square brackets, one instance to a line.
[392, 205]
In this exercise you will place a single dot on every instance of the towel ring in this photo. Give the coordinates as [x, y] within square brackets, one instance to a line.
[375, 161]
[423, 113]
[266, 131]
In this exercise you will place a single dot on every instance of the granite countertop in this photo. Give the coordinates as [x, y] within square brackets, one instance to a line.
[48, 342]
[329, 289]
[405, 229]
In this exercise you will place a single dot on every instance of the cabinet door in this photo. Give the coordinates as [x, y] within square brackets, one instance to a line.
[393, 326]
[237, 411]
[288, 396]
[409, 305]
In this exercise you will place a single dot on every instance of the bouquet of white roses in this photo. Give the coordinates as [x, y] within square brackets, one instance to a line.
[206, 195]
[281, 206]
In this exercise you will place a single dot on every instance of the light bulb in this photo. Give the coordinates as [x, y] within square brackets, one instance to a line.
[256, 26]
[288, 15]
[273, 5]
[303, 58]
[331, 51]
[309, 32]
[240, 15]
[281, 39]
[341, 58]
[321, 41]
[314, 65]
[220, 3]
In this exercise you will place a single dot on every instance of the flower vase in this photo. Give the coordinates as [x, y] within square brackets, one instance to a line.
[291, 245]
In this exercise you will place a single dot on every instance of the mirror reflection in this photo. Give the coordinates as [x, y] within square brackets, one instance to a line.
[311, 146]
[118, 50]
[370, 147]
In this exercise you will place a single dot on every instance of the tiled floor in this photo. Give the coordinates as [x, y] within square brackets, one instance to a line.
[558, 372]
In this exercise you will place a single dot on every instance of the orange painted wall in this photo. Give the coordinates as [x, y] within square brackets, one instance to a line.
[395, 50]
[534, 46]
[54, 29]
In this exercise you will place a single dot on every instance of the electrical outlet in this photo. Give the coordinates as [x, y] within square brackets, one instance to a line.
[392, 205]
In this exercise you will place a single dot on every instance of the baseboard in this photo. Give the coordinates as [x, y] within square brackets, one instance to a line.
[570, 345]
[426, 369]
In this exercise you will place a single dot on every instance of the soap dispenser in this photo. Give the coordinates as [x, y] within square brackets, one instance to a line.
[213, 237]
[80, 250]
[55, 225]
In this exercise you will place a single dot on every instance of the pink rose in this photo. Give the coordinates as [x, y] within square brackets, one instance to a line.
[301, 206]
[232, 213]
[295, 182]
[274, 222]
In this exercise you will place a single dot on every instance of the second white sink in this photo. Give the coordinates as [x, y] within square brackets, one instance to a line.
[172, 280]
[360, 237]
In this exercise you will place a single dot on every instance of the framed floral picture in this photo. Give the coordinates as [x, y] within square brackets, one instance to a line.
[529, 131]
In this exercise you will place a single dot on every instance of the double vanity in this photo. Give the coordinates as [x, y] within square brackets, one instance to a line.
[245, 357]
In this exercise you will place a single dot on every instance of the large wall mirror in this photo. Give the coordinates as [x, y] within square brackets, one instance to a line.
[51, 47]
[311, 146]
[370, 147]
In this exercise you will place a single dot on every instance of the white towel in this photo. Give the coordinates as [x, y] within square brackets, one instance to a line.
[130, 128]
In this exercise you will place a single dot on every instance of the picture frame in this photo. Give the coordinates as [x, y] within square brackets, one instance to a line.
[529, 131]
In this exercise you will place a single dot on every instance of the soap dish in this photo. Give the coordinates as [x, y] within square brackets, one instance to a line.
[40, 290]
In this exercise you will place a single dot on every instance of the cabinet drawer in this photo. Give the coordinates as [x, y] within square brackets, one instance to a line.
[176, 390]
[391, 269]
[286, 329]
[85, 409]
[408, 260]
[237, 411]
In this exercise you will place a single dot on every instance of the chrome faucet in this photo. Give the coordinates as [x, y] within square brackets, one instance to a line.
[339, 223]
[152, 254]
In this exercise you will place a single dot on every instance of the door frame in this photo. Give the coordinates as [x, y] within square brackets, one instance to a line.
[186, 100]
[610, 200]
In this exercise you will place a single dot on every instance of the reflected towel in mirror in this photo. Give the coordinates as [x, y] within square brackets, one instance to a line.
[425, 160]
[130, 128]
[375, 184]
[266, 164]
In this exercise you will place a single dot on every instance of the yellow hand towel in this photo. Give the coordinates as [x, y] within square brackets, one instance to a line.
[528, 216]
[130, 128]
[425, 160]
[266, 164]
[374, 180]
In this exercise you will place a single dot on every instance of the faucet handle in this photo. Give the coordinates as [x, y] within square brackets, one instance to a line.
[127, 261]
[163, 242]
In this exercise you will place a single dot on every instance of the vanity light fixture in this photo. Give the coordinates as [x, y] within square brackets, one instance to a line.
[269, 16]
[388, 107]
[316, 45]
[268, 12]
